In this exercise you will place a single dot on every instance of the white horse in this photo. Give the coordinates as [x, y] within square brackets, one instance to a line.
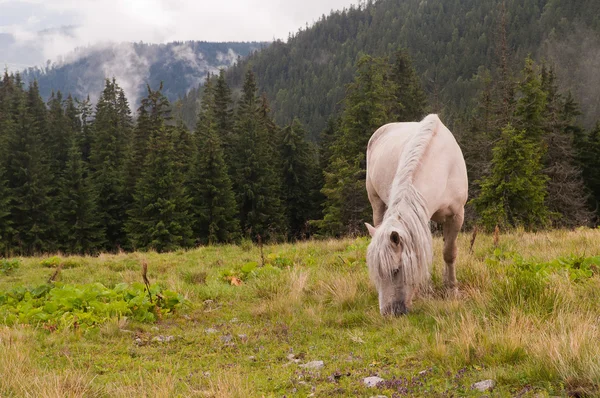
[415, 172]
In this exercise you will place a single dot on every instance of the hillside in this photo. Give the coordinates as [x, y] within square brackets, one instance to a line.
[179, 65]
[232, 328]
[449, 42]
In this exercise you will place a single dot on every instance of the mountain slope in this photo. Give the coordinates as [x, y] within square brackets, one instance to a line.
[180, 65]
[449, 41]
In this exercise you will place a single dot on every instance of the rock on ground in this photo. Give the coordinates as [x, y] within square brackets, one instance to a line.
[313, 365]
[372, 381]
[484, 385]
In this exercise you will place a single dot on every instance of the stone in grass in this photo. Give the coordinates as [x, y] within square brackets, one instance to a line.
[163, 339]
[485, 385]
[372, 381]
[313, 365]
[211, 331]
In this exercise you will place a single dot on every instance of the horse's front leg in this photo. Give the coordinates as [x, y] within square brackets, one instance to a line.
[452, 227]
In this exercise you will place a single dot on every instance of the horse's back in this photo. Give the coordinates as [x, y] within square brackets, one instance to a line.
[441, 176]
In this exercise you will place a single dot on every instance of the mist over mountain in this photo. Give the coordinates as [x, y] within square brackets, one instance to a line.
[179, 65]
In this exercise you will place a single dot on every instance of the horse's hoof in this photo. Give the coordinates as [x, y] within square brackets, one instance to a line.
[452, 293]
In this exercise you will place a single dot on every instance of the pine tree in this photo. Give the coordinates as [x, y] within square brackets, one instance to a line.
[255, 181]
[589, 156]
[59, 135]
[152, 113]
[84, 108]
[108, 155]
[410, 100]
[298, 166]
[82, 233]
[566, 191]
[223, 106]
[29, 176]
[366, 108]
[184, 147]
[6, 229]
[159, 217]
[514, 192]
[213, 201]
[532, 103]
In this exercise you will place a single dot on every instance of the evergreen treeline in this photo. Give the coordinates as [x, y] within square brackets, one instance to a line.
[82, 179]
[449, 41]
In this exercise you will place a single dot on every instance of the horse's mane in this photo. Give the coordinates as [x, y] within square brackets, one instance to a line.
[407, 214]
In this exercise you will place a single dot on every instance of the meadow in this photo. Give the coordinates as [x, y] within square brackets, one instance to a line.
[246, 321]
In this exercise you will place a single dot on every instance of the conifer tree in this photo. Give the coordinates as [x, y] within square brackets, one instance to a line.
[59, 135]
[30, 178]
[73, 116]
[183, 142]
[298, 167]
[410, 100]
[159, 218]
[566, 198]
[532, 103]
[84, 109]
[366, 108]
[223, 106]
[514, 192]
[589, 157]
[5, 213]
[78, 216]
[108, 156]
[152, 114]
[255, 181]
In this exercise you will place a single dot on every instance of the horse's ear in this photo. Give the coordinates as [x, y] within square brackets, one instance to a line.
[371, 229]
[395, 238]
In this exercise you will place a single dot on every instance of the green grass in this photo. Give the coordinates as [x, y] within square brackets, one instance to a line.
[528, 316]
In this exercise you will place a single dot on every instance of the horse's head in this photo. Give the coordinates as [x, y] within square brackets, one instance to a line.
[390, 268]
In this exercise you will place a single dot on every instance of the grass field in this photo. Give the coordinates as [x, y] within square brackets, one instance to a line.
[527, 321]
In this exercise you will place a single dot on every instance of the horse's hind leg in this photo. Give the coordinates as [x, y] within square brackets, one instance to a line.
[452, 226]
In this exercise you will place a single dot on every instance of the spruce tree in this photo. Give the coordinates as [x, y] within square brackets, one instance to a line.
[78, 216]
[223, 106]
[108, 156]
[366, 108]
[84, 109]
[255, 180]
[159, 218]
[514, 192]
[410, 101]
[213, 201]
[532, 103]
[59, 134]
[566, 198]
[184, 147]
[298, 166]
[152, 113]
[5, 213]
[30, 178]
[589, 156]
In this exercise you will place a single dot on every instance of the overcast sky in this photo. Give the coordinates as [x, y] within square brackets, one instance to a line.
[151, 21]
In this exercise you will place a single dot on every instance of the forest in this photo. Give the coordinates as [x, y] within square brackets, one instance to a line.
[83, 178]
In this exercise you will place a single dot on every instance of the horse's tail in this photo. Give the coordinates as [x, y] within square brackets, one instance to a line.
[413, 153]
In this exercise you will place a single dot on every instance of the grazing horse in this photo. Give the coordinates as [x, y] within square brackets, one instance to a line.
[415, 173]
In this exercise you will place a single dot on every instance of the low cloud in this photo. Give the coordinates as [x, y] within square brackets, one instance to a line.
[154, 21]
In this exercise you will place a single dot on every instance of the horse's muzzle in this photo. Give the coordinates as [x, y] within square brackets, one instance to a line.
[395, 309]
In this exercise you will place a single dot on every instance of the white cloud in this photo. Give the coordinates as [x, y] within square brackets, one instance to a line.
[158, 21]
